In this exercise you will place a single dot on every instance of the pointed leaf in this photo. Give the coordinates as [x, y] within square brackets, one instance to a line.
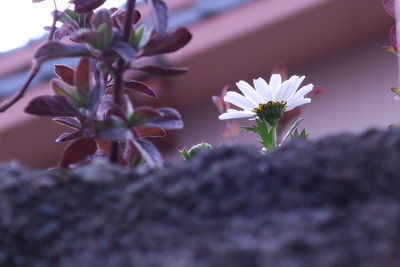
[69, 136]
[167, 43]
[159, 15]
[90, 37]
[56, 49]
[120, 18]
[149, 153]
[52, 106]
[150, 131]
[162, 71]
[65, 73]
[84, 6]
[101, 17]
[68, 121]
[81, 75]
[95, 95]
[166, 118]
[170, 119]
[78, 151]
[112, 129]
[124, 50]
[139, 87]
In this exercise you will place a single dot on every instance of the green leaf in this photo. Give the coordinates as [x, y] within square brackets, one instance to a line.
[135, 41]
[188, 154]
[266, 133]
[185, 154]
[291, 130]
[299, 135]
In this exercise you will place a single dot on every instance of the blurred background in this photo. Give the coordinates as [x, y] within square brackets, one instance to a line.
[336, 44]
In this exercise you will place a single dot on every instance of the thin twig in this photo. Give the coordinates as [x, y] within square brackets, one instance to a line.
[119, 72]
[33, 71]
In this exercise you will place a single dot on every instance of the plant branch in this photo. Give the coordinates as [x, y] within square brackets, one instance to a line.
[33, 71]
[119, 72]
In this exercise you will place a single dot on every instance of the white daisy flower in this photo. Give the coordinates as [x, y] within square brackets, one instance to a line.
[267, 101]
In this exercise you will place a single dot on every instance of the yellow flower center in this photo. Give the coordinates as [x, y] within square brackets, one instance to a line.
[271, 112]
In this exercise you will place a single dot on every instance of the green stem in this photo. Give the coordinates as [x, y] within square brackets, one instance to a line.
[273, 136]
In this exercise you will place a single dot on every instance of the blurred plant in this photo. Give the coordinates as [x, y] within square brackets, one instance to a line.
[389, 6]
[91, 99]
[231, 129]
[267, 103]
[194, 150]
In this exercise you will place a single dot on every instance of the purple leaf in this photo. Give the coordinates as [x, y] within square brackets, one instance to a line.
[67, 28]
[139, 87]
[149, 153]
[95, 95]
[108, 107]
[81, 75]
[78, 151]
[162, 71]
[170, 119]
[166, 118]
[159, 15]
[120, 18]
[52, 106]
[65, 73]
[101, 17]
[112, 128]
[68, 121]
[56, 49]
[167, 43]
[124, 50]
[91, 37]
[69, 136]
[388, 5]
[150, 131]
[84, 6]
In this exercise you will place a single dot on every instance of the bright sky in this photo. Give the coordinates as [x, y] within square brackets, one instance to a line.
[21, 20]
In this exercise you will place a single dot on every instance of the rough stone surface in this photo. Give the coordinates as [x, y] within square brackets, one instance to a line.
[330, 203]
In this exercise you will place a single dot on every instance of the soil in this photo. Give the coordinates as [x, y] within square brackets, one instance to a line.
[330, 203]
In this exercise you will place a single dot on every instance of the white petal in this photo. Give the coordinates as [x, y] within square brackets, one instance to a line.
[249, 92]
[235, 114]
[263, 89]
[295, 82]
[238, 100]
[301, 93]
[282, 91]
[275, 83]
[299, 102]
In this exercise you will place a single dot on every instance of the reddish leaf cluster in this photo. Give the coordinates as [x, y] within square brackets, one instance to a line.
[85, 99]
[232, 128]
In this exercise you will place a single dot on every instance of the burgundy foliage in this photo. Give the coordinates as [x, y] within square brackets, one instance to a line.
[86, 98]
